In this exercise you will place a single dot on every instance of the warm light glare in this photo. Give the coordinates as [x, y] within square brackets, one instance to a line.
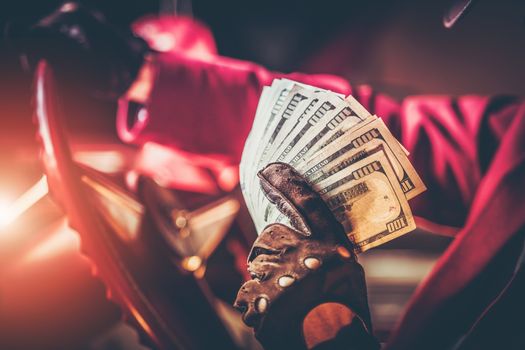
[41, 113]
[9, 212]
[63, 240]
[109, 162]
[164, 42]
[192, 263]
[4, 214]
[141, 321]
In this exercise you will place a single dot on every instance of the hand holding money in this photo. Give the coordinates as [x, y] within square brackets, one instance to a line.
[304, 276]
[347, 155]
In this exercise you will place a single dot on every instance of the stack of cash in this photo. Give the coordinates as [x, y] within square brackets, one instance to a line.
[348, 156]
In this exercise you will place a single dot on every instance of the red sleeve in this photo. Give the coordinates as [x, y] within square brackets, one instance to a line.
[470, 152]
[451, 140]
[206, 107]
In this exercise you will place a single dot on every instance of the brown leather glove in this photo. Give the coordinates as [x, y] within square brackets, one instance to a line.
[299, 273]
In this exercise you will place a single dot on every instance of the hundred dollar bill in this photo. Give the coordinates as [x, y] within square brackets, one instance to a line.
[348, 156]
[343, 128]
[272, 103]
[308, 121]
[299, 101]
[348, 111]
[367, 200]
[359, 144]
[298, 104]
[265, 134]
[295, 116]
[249, 145]
[262, 130]
[305, 125]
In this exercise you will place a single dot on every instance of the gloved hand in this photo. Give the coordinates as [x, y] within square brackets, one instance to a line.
[305, 279]
[85, 49]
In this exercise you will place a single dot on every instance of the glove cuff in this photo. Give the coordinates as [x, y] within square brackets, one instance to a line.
[328, 310]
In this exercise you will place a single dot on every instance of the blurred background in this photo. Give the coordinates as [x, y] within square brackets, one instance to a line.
[48, 295]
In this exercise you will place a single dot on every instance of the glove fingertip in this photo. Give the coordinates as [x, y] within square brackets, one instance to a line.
[276, 182]
[294, 197]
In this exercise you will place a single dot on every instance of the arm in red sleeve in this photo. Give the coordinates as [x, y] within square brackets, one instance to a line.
[473, 150]
[206, 105]
[451, 141]
[470, 152]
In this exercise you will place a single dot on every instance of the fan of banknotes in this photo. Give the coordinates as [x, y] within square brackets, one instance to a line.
[348, 156]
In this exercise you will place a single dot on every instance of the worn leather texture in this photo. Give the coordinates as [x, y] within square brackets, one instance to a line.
[294, 269]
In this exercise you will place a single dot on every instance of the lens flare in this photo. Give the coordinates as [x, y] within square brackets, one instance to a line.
[10, 211]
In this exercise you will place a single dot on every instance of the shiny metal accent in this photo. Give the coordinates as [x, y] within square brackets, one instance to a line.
[286, 281]
[192, 263]
[261, 305]
[180, 219]
[121, 210]
[343, 252]
[312, 263]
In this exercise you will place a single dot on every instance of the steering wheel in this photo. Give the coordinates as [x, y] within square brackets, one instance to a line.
[144, 274]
